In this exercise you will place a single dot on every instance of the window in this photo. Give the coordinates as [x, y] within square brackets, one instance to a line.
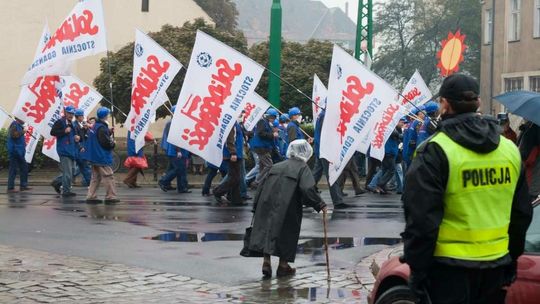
[534, 83]
[488, 27]
[145, 6]
[536, 22]
[513, 84]
[515, 20]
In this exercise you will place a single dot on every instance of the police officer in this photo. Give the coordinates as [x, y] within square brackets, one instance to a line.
[262, 144]
[466, 205]
[16, 147]
[66, 147]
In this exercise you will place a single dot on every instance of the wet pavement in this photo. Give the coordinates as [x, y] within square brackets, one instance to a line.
[188, 235]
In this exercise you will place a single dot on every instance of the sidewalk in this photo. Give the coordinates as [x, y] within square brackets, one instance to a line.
[373, 263]
[31, 276]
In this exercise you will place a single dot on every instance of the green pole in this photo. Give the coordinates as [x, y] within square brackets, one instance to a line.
[364, 27]
[358, 42]
[275, 54]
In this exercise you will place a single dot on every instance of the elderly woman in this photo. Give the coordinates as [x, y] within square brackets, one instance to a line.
[278, 208]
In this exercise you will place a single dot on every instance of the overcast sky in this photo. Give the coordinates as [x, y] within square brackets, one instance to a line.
[353, 6]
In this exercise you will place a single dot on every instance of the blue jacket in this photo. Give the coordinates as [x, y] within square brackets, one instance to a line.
[16, 146]
[263, 137]
[424, 132]
[164, 142]
[98, 155]
[282, 141]
[131, 147]
[294, 128]
[392, 145]
[317, 135]
[239, 143]
[409, 142]
[65, 143]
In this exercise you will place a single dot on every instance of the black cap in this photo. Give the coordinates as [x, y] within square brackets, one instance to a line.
[460, 87]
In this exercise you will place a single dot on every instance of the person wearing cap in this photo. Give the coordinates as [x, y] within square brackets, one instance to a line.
[278, 210]
[263, 142]
[16, 147]
[427, 128]
[100, 145]
[66, 147]
[284, 120]
[81, 128]
[293, 128]
[466, 205]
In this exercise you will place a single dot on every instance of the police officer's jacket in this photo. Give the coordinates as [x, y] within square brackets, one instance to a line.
[439, 196]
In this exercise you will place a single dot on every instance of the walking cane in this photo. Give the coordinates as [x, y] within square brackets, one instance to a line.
[326, 246]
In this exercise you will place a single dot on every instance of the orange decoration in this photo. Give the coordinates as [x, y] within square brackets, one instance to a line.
[451, 53]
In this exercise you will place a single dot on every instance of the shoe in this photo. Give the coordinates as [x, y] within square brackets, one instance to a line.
[26, 188]
[170, 188]
[342, 206]
[247, 197]
[267, 270]
[344, 194]
[136, 186]
[12, 191]
[163, 187]
[56, 187]
[285, 271]
[111, 201]
[93, 201]
[370, 189]
[238, 204]
[380, 191]
[206, 194]
[399, 192]
[358, 193]
[318, 191]
[185, 191]
[129, 185]
[219, 199]
[69, 194]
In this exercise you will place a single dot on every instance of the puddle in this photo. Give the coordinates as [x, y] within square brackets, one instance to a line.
[312, 294]
[305, 245]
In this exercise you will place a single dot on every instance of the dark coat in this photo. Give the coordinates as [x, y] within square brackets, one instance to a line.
[278, 208]
[423, 198]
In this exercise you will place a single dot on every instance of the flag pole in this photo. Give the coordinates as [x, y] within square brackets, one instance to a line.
[111, 90]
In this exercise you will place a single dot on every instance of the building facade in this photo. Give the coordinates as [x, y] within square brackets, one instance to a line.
[21, 23]
[510, 49]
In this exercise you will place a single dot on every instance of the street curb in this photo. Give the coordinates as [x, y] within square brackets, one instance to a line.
[364, 270]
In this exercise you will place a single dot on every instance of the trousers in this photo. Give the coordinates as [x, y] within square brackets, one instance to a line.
[17, 163]
[105, 174]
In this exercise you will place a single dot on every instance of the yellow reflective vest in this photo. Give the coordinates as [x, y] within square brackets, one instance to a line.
[477, 201]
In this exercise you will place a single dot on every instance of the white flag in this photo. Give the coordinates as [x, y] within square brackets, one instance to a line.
[319, 96]
[31, 138]
[81, 34]
[416, 92]
[354, 95]
[78, 94]
[49, 148]
[254, 109]
[39, 105]
[153, 71]
[218, 83]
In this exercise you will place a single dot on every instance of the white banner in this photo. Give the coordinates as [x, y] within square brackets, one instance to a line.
[81, 34]
[254, 109]
[78, 94]
[39, 105]
[319, 97]
[416, 91]
[49, 148]
[354, 95]
[31, 138]
[153, 71]
[213, 94]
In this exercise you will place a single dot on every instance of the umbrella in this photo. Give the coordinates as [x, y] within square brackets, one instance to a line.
[522, 103]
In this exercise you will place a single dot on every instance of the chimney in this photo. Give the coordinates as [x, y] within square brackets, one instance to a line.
[347, 8]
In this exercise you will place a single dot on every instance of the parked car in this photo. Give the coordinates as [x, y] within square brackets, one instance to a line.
[391, 284]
